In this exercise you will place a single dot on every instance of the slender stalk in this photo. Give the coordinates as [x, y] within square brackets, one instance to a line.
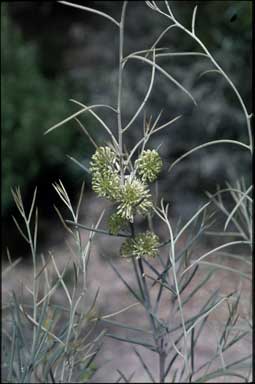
[35, 285]
[163, 215]
[214, 62]
[138, 278]
[147, 304]
[162, 359]
[120, 131]
[102, 231]
[247, 117]
[146, 291]
[92, 10]
[141, 278]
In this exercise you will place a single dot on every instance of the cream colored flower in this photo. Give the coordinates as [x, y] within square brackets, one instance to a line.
[106, 184]
[105, 176]
[134, 198]
[104, 159]
[143, 245]
[149, 165]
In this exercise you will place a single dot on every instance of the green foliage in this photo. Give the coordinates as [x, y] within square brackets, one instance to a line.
[30, 104]
[37, 346]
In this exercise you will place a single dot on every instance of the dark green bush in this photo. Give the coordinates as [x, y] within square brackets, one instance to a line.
[30, 105]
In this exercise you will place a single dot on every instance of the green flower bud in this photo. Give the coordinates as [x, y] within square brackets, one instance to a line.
[149, 165]
[116, 223]
[135, 198]
[143, 245]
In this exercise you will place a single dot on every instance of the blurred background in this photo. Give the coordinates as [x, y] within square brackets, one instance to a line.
[52, 53]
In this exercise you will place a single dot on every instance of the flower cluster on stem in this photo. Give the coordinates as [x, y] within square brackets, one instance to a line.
[131, 197]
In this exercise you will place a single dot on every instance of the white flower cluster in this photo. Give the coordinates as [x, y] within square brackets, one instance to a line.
[133, 196]
[143, 245]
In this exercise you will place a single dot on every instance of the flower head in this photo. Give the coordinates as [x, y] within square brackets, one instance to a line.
[103, 159]
[106, 184]
[144, 244]
[132, 195]
[149, 165]
[105, 177]
[134, 198]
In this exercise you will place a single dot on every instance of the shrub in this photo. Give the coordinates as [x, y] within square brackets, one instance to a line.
[44, 340]
[115, 176]
[125, 176]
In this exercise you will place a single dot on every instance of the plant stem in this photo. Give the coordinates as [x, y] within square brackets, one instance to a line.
[147, 304]
[120, 131]
[102, 231]
[145, 293]
[162, 358]
[35, 285]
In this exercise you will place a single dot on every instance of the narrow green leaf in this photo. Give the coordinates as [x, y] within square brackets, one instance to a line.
[125, 283]
[122, 376]
[63, 221]
[91, 10]
[11, 370]
[194, 20]
[95, 230]
[132, 341]
[145, 367]
[166, 74]
[32, 205]
[219, 373]
[235, 340]
[86, 132]
[223, 141]
[197, 288]
[189, 279]
[82, 166]
[80, 200]
[20, 230]
[125, 326]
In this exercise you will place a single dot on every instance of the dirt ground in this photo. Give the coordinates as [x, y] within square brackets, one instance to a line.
[116, 355]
